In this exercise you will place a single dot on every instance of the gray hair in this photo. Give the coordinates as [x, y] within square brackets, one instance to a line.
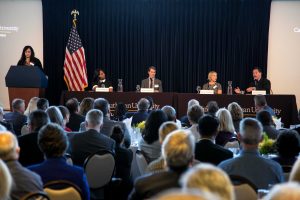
[250, 131]
[170, 112]
[143, 104]
[55, 115]
[17, 104]
[193, 102]
[102, 105]
[94, 117]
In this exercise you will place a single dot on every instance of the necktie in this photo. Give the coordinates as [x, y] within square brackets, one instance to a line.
[151, 83]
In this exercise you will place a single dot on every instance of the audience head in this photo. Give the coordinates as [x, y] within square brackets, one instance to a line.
[170, 113]
[65, 113]
[18, 105]
[52, 141]
[73, 105]
[207, 177]
[151, 102]
[194, 113]
[288, 144]
[264, 117]
[32, 105]
[165, 129]
[143, 104]
[260, 102]
[226, 123]
[212, 107]
[236, 111]
[94, 119]
[208, 126]
[102, 105]
[295, 173]
[42, 104]
[37, 119]
[250, 132]
[186, 194]
[55, 115]
[9, 147]
[120, 109]
[5, 181]
[117, 134]
[178, 150]
[193, 102]
[86, 105]
[155, 119]
[290, 191]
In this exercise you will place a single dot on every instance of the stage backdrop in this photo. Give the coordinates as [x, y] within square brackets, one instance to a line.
[184, 39]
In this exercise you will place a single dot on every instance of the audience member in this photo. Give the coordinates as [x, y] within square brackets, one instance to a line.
[266, 120]
[53, 143]
[298, 127]
[32, 106]
[184, 120]
[66, 116]
[7, 125]
[212, 108]
[290, 191]
[90, 141]
[5, 181]
[149, 144]
[42, 104]
[75, 118]
[55, 115]
[260, 103]
[187, 194]
[16, 117]
[295, 173]
[151, 104]
[226, 131]
[178, 152]
[171, 114]
[120, 112]
[142, 113]
[194, 113]
[206, 150]
[207, 177]
[24, 180]
[86, 105]
[30, 152]
[250, 164]
[236, 114]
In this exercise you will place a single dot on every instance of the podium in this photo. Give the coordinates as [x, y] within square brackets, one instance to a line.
[25, 82]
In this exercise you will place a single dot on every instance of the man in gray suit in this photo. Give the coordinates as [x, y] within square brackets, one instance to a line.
[151, 81]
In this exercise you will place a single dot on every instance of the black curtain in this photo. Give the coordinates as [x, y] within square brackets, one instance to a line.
[184, 39]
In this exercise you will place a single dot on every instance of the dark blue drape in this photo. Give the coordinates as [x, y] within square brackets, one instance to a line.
[184, 39]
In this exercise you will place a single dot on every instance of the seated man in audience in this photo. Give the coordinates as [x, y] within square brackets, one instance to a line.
[260, 104]
[194, 113]
[25, 181]
[31, 153]
[108, 124]
[265, 118]
[178, 153]
[16, 117]
[171, 114]
[75, 119]
[90, 141]
[206, 150]
[42, 104]
[212, 108]
[53, 142]
[7, 125]
[184, 120]
[250, 164]
[142, 113]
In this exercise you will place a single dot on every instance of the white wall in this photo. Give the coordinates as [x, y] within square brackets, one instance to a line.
[21, 24]
[284, 48]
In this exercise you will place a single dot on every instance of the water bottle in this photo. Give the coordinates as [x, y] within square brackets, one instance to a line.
[229, 88]
[120, 85]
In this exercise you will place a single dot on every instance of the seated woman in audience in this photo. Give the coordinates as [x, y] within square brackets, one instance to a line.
[288, 147]
[5, 181]
[53, 142]
[32, 106]
[212, 83]
[120, 111]
[66, 115]
[123, 158]
[55, 115]
[226, 131]
[237, 115]
[149, 144]
[86, 105]
[266, 120]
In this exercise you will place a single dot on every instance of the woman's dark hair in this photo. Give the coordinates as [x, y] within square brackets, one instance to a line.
[96, 74]
[86, 105]
[264, 117]
[212, 107]
[117, 134]
[151, 102]
[288, 144]
[120, 110]
[155, 119]
[64, 111]
[23, 58]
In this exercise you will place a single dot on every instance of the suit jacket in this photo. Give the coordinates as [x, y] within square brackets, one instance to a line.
[63, 171]
[86, 143]
[262, 84]
[74, 121]
[145, 83]
[207, 151]
[30, 152]
[17, 120]
[139, 116]
[8, 126]
[25, 181]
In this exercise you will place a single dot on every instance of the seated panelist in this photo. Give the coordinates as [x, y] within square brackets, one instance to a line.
[212, 83]
[151, 81]
[100, 80]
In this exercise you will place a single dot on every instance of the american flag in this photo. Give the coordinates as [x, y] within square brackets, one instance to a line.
[75, 66]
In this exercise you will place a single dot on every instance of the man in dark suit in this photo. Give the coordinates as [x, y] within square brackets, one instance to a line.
[75, 118]
[142, 113]
[151, 81]
[17, 117]
[178, 153]
[100, 80]
[92, 140]
[206, 150]
[30, 152]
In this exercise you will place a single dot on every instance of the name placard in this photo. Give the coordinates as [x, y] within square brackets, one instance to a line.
[147, 90]
[206, 92]
[257, 92]
[100, 89]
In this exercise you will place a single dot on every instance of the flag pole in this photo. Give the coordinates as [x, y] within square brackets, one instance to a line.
[74, 13]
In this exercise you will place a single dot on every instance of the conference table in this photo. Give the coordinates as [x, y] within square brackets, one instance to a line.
[284, 106]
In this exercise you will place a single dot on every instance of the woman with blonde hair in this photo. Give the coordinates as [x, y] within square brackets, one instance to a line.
[226, 131]
[31, 106]
[236, 113]
[212, 83]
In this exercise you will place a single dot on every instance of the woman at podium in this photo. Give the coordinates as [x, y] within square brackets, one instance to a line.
[212, 83]
[28, 58]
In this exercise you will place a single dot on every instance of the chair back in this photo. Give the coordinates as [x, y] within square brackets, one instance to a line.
[61, 190]
[35, 196]
[244, 189]
[99, 168]
[141, 162]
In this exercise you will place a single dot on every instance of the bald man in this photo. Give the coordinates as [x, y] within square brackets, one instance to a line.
[25, 181]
